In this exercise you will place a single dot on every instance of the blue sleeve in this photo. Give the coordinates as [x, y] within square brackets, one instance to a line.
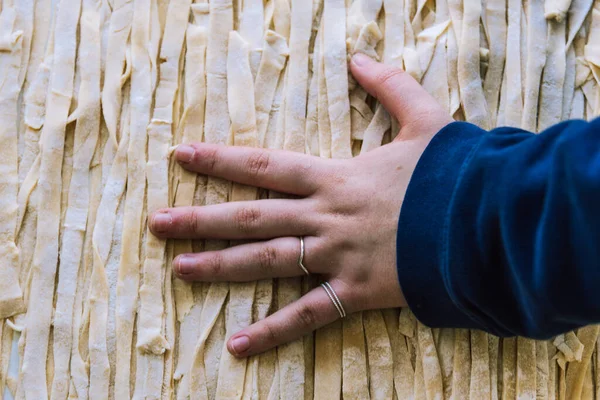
[500, 230]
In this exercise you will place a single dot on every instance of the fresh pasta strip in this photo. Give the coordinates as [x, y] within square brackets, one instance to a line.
[46, 250]
[118, 33]
[379, 351]
[87, 133]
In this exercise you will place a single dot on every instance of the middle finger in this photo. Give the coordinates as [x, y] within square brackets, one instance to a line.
[260, 219]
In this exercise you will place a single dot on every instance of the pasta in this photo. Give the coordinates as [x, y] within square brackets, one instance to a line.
[96, 94]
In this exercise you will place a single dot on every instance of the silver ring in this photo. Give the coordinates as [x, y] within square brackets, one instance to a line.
[301, 258]
[334, 298]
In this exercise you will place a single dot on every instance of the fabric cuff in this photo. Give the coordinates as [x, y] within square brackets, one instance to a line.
[420, 243]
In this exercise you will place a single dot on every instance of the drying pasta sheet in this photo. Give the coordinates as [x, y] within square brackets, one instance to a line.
[95, 95]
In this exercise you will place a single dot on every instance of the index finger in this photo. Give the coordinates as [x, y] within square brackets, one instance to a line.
[283, 171]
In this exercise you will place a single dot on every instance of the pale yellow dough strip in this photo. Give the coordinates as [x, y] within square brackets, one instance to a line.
[526, 368]
[434, 387]
[116, 55]
[129, 265]
[536, 59]
[496, 17]
[354, 358]
[87, 132]
[192, 121]
[553, 78]
[509, 368]
[11, 295]
[46, 250]
[577, 369]
[152, 331]
[480, 366]
[512, 72]
[379, 351]
[273, 61]
[328, 362]
[461, 377]
[336, 77]
[469, 79]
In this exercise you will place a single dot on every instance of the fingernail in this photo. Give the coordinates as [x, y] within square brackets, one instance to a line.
[184, 153]
[185, 265]
[161, 221]
[240, 345]
[361, 60]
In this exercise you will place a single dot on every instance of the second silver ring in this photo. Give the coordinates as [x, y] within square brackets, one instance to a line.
[301, 257]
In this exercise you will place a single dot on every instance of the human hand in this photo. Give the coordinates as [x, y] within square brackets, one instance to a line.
[347, 212]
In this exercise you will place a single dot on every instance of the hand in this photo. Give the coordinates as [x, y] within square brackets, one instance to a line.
[347, 212]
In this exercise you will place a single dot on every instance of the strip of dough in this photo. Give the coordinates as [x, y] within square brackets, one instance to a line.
[526, 368]
[336, 77]
[312, 117]
[536, 59]
[509, 366]
[569, 84]
[11, 295]
[392, 54]
[118, 33]
[461, 378]
[296, 93]
[495, 18]
[46, 250]
[150, 339]
[323, 125]
[551, 349]
[354, 358]
[129, 267]
[542, 369]
[102, 243]
[469, 79]
[434, 387]
[328, 362]
[379, 351]
[282, 17]
[87, 132]
[192, 121]
[577, 13]
[551, 91]
[577, 369]
[273, 61]
[512, 73]
[251, 29]
[480, 366]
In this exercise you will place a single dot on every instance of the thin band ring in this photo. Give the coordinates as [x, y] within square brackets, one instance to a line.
[334, 298]
[301, 258]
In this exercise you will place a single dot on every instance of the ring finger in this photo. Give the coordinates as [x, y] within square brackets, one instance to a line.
[277, 258]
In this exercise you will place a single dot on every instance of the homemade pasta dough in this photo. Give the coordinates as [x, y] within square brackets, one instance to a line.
[94, 94]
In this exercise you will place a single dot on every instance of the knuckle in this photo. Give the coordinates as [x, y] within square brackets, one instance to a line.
[214, 264]
[271, 333]
[389, 76]
[246, 219]
[194, 221]
[258, 163]
[267, 257]
[211, 158]
[306, 315]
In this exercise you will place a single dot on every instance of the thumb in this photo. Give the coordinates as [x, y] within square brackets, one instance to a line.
[400, 94]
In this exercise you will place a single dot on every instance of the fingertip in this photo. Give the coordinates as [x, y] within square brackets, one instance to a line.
[185, 153]
[160, 222]
[184, 265]
[239, 345]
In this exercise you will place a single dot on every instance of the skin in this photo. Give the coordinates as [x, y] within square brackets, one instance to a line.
[349, 232]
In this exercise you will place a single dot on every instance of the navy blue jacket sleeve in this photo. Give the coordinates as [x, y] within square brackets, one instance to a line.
[500, 230]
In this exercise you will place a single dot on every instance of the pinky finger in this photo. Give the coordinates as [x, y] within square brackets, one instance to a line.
[312, 311]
